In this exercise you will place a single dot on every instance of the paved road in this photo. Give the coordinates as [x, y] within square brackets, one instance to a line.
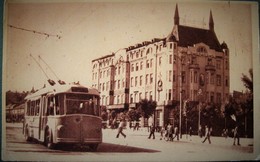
[135, 147]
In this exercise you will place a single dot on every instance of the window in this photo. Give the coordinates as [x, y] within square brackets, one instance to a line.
[107, 73]
[141, 80]
[131, 98]
[210, 61]
[136, 67]
[136, 81]
[151, 62]
[170, 75]
[226, 65]
[107, 86]
[151, 96]
[50, 108]
[147, 63]
[173, 78]
[227, 81]
[146, 79]
[170, 59]
[151, 78]
[218, 80]
[123, 83]
[201, 50]
[195, 77]
[170, 94]
[218, 97]
[119, 69]
[183, 76]
[141, 65]
[118, 84]
[132, 67]
[170, 45]
[211, 96]
[140, 96]
[218, 64]
[132, 81]
[191, 76]
[211, 78]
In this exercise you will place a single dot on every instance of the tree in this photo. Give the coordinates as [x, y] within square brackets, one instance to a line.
[248, 81]
[147, 107]
[247, 104]
[134, 115]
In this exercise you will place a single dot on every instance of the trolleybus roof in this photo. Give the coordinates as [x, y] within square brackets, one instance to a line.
[63, 88]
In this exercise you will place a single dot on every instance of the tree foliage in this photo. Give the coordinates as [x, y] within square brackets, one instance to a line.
[134, 115]
[248, 81]
[147, 107]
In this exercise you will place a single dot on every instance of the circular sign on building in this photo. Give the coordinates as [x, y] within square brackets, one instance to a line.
[160, 84]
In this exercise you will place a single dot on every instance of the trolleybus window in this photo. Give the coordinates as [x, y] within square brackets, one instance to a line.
[82, 104]
[55, 104]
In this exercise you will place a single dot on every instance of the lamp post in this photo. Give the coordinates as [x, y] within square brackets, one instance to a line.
[180, 99]
[199, 94]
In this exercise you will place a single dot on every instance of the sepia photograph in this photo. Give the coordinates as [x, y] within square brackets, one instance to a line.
[130, 80]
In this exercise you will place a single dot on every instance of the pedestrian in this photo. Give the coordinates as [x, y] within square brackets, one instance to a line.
[169, 132]
[176, 132]
[190, 132]
[207, 134]
[236, 136]
[162, 132]
[120, 128]
[200, 131]
[152, 130]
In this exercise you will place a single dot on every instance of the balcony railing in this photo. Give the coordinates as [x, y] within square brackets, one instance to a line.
[210, 67]
[194, 66]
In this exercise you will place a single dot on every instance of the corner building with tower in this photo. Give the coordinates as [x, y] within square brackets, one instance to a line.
[189, 65]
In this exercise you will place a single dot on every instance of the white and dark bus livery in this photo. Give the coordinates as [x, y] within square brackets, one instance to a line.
[63, 114]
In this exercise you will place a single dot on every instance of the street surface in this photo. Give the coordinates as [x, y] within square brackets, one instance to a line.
[135, 147]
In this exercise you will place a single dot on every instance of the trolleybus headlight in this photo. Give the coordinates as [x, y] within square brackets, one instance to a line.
[60, 127]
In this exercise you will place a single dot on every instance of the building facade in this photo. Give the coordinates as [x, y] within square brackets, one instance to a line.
[188, 65]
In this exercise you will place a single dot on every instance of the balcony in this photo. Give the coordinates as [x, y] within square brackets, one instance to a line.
[194, 66]
[210, 68]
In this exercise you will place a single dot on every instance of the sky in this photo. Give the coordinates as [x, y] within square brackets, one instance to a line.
[91, 30]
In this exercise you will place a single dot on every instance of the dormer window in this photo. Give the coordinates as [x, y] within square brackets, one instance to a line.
[201, 50]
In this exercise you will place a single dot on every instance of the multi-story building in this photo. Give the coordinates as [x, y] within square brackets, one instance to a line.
[188, 64]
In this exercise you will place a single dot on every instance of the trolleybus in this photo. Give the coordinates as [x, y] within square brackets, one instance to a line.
[63, 114]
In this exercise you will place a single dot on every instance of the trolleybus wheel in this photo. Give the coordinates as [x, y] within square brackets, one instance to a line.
[48, 139]
[93, 147]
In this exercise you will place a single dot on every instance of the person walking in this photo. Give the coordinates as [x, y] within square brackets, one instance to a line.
[152, 130]
[120, 128]
[162, 132]
[236, 136]
[176, 133]
[169, 132]
[190, 132]
[207, 134]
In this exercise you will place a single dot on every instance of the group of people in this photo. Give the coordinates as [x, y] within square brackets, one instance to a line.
[170, 132]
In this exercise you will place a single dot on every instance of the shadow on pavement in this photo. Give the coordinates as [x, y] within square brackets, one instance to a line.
[105, 147]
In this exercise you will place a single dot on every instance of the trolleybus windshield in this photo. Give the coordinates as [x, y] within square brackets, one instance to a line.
[82, 104]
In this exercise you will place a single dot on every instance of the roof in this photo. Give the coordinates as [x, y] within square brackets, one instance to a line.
[188, 36]
[63, 88]
[103, 57]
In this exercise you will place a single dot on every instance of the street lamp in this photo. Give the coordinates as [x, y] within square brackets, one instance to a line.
[199, 95]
